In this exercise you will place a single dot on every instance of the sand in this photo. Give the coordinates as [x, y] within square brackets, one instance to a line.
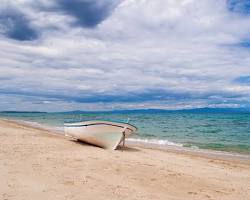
[37, 164]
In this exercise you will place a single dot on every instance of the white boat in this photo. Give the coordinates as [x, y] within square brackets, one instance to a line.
[106, 134]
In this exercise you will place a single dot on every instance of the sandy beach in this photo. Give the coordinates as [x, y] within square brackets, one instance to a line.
[38, 164]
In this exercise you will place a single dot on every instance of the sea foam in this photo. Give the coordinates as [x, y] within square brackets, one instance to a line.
[160, 142]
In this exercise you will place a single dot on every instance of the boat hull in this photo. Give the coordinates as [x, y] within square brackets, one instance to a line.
[100, 133]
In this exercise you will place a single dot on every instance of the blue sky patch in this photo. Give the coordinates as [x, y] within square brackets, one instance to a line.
[243, 80]
[239, 6]
[245, 43]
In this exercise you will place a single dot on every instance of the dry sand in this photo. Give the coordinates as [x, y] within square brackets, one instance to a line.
[37, 164]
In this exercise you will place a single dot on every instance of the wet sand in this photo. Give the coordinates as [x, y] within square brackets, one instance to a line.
[38, 164]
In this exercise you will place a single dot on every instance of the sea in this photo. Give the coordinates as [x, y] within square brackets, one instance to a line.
[219, 131]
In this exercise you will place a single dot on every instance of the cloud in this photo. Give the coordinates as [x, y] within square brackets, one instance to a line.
[15, 25]
[127, 54]
[88, 13]
[23, 20]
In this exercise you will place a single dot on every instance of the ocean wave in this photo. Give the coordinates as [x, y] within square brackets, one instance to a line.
[160, 142]
[165, 144]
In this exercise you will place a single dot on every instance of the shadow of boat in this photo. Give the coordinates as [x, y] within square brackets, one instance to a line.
[119, 148]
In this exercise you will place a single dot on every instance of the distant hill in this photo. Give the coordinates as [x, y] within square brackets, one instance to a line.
[148, 111]
[217, 110]
[195, 110]
[21, 112]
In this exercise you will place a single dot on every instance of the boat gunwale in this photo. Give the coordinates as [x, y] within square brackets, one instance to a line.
[100, 123]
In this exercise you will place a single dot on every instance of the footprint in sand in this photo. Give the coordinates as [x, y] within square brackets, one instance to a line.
[207, 196]
[192, 193]
[68, 182]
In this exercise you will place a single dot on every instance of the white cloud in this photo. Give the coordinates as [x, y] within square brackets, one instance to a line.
[187, 47]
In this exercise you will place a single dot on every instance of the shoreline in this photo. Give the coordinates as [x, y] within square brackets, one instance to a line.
[208, 153]
[202, 153]
[40, 164]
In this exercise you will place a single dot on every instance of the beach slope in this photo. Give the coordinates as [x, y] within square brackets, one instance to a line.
[37, 164]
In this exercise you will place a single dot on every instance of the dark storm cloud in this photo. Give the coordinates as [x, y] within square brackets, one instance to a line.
[16, 26]
[128, 97]
[88, 13]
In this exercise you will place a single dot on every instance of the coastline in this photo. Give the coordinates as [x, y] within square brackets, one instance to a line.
[40, 164]
[205, 131]
[132, 142]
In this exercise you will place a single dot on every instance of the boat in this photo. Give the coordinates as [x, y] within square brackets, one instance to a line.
[105, 134]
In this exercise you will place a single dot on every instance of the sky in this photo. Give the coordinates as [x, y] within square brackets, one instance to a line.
[61, 55]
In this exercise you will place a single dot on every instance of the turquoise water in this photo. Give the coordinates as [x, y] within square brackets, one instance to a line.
[219, 131]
